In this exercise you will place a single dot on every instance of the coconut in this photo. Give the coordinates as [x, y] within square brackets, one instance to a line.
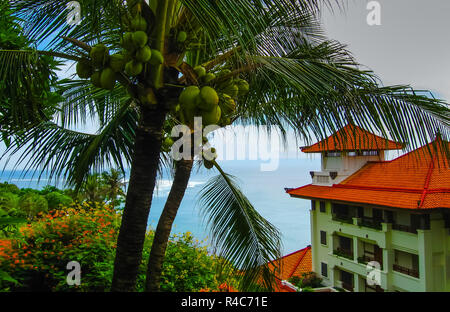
[95, 79]
[188, 96]
[228, 105]
[243, 87]
[108, 78]
[99, 55]
[157, 58]
[147, 97]
[140, 39]
[133, 68]
[117, 62]
[232, 90]
[168, 142]
[84, 69]
[200, 71]
[212, 117]
[144, 54]
[208, 99]
[208, 77]
[182, 36]
[139, 24]
[127, 41]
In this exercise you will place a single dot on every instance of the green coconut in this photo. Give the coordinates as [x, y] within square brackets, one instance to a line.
[134, 68]
[127, 41]
[157, 58]
[168, 142]
[99, 54]
[200, 71]
[139, 24]
[243, 87]
[144, 54]
[208, 77]
[224, 72]
[209, 99]
[182, 36]
[212, 117]
[117, 62]
[228, 105]
[232, 90]
[108, 78]
[140, 39]
[84, 69]
[147, 97]
[95, 79]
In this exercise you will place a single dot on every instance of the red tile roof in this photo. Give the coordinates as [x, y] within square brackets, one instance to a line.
[294, 264]
[417, 180]
[352, 138]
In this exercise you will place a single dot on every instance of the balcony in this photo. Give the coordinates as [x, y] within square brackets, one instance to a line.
[370, 223]
[342, 218]
[365, 259]
[347, 286]
[404, 228]
[407, 271]
[342, 252]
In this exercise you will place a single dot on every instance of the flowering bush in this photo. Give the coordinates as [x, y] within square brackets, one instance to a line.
[87, 233]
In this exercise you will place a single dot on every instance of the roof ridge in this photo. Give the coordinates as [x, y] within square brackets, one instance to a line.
[305, 250]
[427, 182]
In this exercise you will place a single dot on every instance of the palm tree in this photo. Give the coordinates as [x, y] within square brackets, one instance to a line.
[113, 186]
[297, 79]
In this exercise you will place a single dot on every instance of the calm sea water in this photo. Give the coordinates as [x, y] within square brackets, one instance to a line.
[265, 191]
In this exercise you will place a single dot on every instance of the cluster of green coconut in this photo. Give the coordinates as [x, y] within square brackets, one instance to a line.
[214, 102]
[102, 68]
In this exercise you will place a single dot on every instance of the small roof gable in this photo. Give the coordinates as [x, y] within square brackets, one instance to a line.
[352, 138]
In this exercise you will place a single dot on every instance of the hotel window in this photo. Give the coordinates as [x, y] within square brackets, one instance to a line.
[352, 154]
[313, 205]
[370, 153]
[333, 154]
[322, 207]
[324, 269]
[323, 237]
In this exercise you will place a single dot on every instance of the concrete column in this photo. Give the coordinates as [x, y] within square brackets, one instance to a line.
[425, 259]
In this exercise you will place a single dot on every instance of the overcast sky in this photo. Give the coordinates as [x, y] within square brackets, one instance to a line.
[411, 46]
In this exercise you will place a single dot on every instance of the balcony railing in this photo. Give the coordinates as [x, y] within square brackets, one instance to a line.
[404, 228]
[371, 223]
[347, 286]
[365, 259]
[341, 252]
[342, 218]
[407, 271]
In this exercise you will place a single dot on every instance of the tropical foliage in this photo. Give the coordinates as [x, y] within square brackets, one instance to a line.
[37, 258]
[142, 67]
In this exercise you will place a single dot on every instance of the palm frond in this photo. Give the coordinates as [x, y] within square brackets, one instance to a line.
[240, 234]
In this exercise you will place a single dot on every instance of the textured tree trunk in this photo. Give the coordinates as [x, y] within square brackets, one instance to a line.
[162, 233]
[138, 201]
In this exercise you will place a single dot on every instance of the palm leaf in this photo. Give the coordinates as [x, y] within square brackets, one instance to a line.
[240, 234]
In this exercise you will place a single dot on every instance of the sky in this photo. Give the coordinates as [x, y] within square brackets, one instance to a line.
[410, 46]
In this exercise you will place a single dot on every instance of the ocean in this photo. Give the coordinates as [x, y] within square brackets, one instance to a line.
[265, 190]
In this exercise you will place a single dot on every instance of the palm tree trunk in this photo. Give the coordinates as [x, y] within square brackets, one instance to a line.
[162, 233]
[144, 169]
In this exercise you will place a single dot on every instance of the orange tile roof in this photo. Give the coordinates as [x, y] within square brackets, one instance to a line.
[294, 264]
[416, 180]
[352, 138]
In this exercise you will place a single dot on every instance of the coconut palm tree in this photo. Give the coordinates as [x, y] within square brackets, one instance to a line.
[297, 78]
[113, 186]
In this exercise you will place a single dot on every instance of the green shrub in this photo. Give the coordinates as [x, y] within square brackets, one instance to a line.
[56, 200]
[32, 204]
[87, 233]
